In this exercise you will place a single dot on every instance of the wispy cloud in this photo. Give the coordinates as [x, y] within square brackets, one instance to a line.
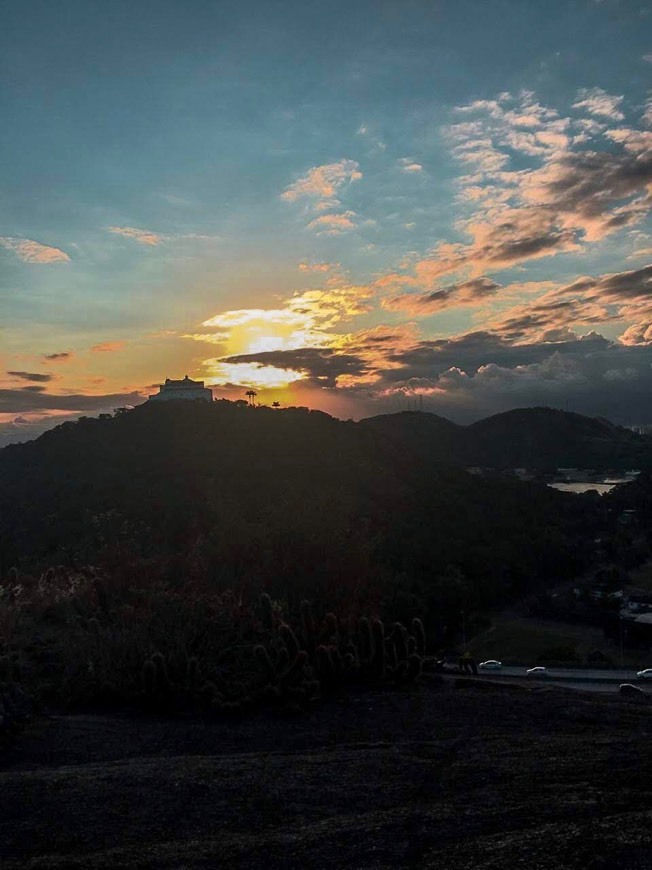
[143, 237]
[64, 356]
[599, 102]
[32, 376]
[108, 347]
[406, 164]
[465, 293]
[320, 267]
[30, 251]
[321, 184]
[334, 224]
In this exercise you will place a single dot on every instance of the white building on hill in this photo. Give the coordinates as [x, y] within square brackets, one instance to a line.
[184, 389]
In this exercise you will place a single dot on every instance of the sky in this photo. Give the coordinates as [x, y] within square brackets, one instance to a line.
[351, 206]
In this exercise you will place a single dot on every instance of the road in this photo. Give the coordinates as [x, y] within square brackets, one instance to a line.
[574, 678]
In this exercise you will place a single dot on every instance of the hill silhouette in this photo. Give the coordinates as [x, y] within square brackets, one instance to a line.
[538, 438]
[290, 500]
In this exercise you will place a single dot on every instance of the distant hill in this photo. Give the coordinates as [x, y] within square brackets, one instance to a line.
[538, 438]
[291, 500]
[427, 436]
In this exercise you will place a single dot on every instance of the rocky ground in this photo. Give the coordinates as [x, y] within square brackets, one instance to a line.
[459, 774]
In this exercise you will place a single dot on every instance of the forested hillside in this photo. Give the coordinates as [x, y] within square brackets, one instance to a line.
[293, 501]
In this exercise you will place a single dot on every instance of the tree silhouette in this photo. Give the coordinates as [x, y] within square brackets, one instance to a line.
[251, 395]
[276, 404]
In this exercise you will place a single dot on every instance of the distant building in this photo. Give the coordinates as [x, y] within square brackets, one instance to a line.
[184, 389]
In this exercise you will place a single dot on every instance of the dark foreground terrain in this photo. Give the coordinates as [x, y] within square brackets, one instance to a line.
[454, 775]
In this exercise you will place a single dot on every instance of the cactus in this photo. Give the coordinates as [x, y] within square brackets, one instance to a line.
[338, 663]
[366, 640]
[413, 667]
[400, 672]
[289, 638]
[307, 624]
[265, 664]
[419, 635]
[378, 661]
[295, 671]
[267, 612]
[331, 629]
[390, 653]
[324, 666]
[282, 660]
[399, 636]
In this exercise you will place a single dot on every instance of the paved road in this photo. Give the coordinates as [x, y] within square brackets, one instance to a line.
[587, 680]
[573, 674]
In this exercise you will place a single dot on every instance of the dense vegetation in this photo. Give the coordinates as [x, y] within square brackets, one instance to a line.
[289, 501]
[190, 512]
[536, 438]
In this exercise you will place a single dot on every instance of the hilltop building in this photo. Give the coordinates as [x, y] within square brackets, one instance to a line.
[183, 389]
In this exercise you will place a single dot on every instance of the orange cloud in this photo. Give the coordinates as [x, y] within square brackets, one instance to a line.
[143, 237]
[333, 224]
[108, 346]
[323, 182]
[30, 251]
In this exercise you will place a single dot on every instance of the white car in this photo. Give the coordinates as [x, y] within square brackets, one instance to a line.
[645, 675]
[491, 665]
[539, 671]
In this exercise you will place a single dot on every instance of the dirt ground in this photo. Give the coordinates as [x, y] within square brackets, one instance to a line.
[459, 774]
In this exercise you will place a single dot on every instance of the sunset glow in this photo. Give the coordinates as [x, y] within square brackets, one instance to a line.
[348, 215]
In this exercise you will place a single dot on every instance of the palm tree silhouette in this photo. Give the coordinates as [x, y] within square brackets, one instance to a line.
[251, 395]
[276, 404]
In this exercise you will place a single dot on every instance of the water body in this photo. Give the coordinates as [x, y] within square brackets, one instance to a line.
[585, 487]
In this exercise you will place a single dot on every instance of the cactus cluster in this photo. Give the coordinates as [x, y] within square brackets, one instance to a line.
[292, 666]
[323, 655]
[15, 705]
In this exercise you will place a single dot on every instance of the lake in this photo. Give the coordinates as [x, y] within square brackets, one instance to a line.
[585, 487]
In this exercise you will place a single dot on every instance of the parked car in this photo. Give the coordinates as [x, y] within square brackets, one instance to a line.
[491, 665]
[539, 671]
[630, 689]
[645, 675]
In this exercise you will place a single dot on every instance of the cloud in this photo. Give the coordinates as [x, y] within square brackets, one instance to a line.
[472, 292]
[560, 198]
[321, 184]
[32, 376]
[64, 356]
[333, 224]
[599, 102]
[408, 165]
[29, 399]
[647, 113]
[143, 237]
[319, 267]
[30, 251]
[585, 301]
[322, 366]
[108, 347]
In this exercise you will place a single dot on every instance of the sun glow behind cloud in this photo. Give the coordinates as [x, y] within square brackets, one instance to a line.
[304, 320]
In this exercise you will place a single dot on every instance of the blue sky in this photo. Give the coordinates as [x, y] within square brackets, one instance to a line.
[342, 205]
